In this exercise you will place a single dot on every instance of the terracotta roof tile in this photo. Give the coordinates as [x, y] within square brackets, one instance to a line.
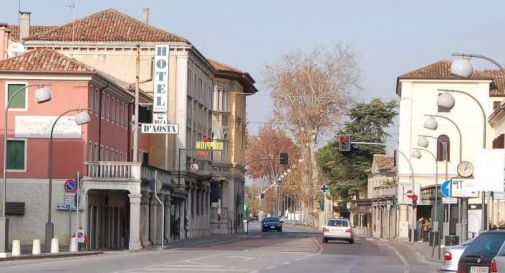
[224, 67]
[33, 30]
[107, 26]
[441, 70]
[44, 60]
[384, 162]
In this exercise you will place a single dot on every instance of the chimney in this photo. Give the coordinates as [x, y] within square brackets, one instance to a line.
[24, 24]
[146, 15]
[4, 40]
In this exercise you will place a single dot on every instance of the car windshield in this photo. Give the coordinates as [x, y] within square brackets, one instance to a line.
[467, 242]
[271, 219]
[486, 245]
[338, 223]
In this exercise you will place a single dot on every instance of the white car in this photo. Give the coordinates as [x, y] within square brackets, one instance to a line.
[452, 255]
[338, 229]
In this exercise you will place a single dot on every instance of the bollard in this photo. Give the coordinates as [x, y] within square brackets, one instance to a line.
[16, 248]
[36, 247]
[55, 248]
[73, 244]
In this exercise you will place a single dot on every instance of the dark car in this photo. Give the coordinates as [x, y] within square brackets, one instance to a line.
[479, 254]
[271, 223]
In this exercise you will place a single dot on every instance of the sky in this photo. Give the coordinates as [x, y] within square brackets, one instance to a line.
[391, 37]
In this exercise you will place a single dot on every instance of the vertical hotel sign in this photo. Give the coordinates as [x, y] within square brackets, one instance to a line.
[160, 99]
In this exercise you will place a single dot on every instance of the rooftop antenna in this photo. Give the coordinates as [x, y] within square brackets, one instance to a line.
[72, 7]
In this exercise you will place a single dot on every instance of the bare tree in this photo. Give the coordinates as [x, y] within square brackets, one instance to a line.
[311, 92]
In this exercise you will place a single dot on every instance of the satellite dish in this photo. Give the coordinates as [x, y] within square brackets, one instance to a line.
[15, 49]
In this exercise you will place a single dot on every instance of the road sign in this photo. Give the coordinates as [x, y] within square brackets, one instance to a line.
[324, 188]
[445, 189]
[410, 194]
[70, 186]
[464, 188]
[449, 200]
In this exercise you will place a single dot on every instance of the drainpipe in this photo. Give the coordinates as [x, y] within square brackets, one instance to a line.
[100, 92]
[149, 221]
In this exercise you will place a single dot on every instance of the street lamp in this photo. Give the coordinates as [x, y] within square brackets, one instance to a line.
[413, 191]
[42, 94]
[464, 68]
[82, 117]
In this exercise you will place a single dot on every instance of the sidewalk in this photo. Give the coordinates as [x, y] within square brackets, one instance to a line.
[51, 255]
[423, 249]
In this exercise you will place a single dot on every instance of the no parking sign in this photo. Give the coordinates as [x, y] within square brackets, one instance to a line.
[70, 186]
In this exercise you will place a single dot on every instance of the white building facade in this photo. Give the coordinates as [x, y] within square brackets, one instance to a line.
[418, 91]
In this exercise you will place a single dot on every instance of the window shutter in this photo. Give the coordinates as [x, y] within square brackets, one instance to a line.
[15, 154]
[19, 101]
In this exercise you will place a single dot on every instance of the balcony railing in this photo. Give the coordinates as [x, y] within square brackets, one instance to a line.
[383, 192]
[114, 170]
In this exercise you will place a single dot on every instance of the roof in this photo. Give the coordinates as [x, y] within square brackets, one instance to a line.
[44, 60]
[230, 72]
[441, 70]
[382, 163]
[107, 26]
[33, 30]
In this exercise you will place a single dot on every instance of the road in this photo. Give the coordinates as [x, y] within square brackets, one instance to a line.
[293, 251]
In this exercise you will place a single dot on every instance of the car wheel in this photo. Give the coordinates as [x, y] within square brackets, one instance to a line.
[325, 240]
[351, 241]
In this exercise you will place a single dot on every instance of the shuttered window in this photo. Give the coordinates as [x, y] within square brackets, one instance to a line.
[15, 154]
[19, 102]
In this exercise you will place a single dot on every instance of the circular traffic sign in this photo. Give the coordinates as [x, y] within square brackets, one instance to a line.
[410, 194]
[70, 186]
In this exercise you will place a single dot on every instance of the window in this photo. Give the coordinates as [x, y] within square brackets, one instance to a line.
[16, 154]
[18, 102]
[442, 141]
[443, 109]
[496, 105]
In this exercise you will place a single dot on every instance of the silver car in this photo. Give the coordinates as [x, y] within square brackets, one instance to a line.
[338, 229]
[452, 255]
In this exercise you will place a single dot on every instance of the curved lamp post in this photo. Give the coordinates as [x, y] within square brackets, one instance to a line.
[464, 68]
[448, 94]
[413, 190]
[417, 154]
[42, 94]
[82, 117]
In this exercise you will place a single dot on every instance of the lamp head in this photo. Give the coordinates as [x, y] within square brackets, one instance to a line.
[446, 100]
[43, 94]
[416, 154]
[431, 123]
[82, 118]
[462, 67]
[422, 142]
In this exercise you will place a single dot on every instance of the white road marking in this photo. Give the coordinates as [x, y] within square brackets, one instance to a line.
[406, 268]
[246, 258]
[285, 263]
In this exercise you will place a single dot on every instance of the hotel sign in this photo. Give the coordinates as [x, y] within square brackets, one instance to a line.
[160, 78]
[171, 129]
[205, 145]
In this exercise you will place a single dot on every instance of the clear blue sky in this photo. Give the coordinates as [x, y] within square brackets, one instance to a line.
[391, 36]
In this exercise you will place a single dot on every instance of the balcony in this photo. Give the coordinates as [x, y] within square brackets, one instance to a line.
[383, 191]
[113, 170]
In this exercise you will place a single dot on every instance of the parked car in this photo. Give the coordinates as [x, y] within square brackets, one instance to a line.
[271, 223]
[478, 256]
[452, 255]
[338, 229]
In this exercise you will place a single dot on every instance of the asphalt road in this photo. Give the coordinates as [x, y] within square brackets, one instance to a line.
[293, 251]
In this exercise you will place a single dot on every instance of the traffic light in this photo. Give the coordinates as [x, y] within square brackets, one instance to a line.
[344, 144]
[284, 158]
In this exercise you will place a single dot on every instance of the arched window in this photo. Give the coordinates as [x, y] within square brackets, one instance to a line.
[442, 141]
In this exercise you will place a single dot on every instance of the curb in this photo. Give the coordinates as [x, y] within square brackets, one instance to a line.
[416, 249]
[51, 255]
